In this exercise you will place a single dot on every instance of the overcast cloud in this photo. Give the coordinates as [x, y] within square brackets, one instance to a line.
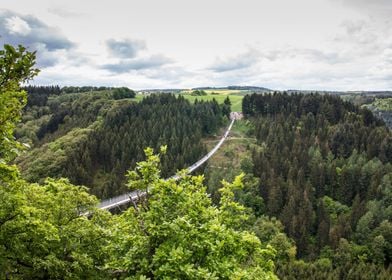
[125, 48]
[281, 44]
[64, 13]
[31, 32]
[125, 66]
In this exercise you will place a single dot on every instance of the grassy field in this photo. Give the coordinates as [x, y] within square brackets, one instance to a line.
[139, 97]
[235, 96]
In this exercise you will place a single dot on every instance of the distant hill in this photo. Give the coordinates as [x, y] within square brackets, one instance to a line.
[385, 93]
[373, 93]
[234, 88]
[249, 88]
[161, 90]
[263, 89]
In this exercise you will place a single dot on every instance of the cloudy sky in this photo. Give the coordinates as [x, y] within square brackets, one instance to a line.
[280, 44]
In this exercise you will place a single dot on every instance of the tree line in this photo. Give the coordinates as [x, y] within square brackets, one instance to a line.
[39, 95]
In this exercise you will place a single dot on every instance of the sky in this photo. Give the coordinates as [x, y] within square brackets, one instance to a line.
[280, 44]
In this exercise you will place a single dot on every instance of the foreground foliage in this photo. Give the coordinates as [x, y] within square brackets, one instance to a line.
[42, 232]
[176, 233]
[54, 230]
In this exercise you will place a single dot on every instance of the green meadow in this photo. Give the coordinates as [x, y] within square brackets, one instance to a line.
[220, 95]
[235, 96]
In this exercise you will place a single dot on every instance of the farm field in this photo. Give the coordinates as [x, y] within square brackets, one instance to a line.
[235, 96]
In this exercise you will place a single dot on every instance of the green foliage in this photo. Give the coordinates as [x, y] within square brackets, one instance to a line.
[323, 270]
[334, 208]
[270, 231]
[72, 89]
[44, 234]
[15, 68]
[236, 100]
[198, 93]
[123, 92]
[52, 159]
[226, 107]
[384, 104]
[176, 233]
[249, 195]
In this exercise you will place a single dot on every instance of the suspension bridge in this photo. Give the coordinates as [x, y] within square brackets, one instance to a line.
[134, 195]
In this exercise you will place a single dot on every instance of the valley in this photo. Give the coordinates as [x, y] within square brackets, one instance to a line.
[315, 167]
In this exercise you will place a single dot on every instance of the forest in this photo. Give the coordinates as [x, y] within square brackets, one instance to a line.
[324, 171]
[93, 138]
[313, 201]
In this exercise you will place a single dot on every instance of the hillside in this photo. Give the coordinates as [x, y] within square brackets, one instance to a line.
[92, 138]
[317, 169]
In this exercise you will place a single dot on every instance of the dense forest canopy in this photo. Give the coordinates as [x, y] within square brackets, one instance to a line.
[39, 95]
[324, 170]
[93, 138]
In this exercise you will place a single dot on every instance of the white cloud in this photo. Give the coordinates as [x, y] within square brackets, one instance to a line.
[17, 26]
[241, 61]
[33, 33]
